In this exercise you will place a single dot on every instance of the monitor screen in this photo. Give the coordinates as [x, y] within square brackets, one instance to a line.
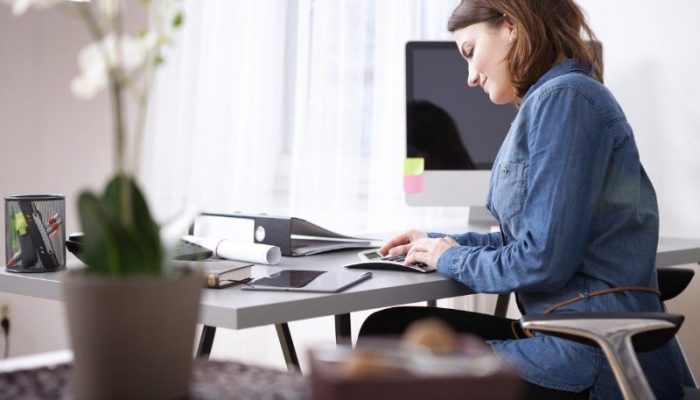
[450, 125]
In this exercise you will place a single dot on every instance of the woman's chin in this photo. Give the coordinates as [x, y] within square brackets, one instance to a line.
[500, 98]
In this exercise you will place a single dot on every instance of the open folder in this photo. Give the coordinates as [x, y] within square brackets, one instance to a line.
[294, 236]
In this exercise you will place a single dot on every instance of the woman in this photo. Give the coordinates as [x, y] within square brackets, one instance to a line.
[578, 214]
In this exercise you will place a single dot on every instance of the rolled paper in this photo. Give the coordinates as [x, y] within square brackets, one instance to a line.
[413, 166]
[236, 250]
[413, 183]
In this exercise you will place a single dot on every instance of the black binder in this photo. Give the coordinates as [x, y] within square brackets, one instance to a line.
[295, 236]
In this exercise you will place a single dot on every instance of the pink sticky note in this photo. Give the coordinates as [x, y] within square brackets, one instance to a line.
[413, 183]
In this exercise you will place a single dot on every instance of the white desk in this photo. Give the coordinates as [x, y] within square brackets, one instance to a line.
[236, 309]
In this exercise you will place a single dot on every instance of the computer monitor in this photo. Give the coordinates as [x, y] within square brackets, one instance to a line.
[454, 128]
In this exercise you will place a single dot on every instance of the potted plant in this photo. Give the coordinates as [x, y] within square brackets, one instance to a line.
[131, 316]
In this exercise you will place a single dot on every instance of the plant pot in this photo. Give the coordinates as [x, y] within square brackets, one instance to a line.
[132, 337]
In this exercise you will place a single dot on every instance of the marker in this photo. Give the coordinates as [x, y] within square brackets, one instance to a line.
[14, 259]
[52, 229]
[53, 219]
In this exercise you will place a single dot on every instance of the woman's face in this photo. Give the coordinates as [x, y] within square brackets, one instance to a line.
[485, 48]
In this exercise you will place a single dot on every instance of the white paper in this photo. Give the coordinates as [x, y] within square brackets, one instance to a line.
[242, 251]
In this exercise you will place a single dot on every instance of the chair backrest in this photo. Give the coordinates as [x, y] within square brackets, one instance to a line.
[673, 281]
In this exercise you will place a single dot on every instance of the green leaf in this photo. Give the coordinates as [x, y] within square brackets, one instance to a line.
[143, 229]
[112, 244]
[100, 250]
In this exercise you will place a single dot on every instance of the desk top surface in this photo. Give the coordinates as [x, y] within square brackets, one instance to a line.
[237, 309]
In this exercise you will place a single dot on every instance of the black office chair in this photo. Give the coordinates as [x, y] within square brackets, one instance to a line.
[620, 334]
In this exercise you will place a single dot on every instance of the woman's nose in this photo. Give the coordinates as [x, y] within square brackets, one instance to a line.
[473, 79]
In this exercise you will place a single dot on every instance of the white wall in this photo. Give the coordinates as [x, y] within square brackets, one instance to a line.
[52, 142]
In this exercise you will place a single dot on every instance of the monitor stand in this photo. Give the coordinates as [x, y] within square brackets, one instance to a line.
[480, 219]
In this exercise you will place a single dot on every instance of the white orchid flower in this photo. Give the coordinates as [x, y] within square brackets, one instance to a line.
[21, 6]
[109, 8]
[96, 59]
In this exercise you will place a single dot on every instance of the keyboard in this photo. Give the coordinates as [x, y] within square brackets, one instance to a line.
[373, 260]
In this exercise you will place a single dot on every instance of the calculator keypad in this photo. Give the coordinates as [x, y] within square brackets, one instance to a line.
[400, 260]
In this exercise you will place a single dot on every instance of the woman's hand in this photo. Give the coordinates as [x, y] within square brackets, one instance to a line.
[401, 244]
[428, 251]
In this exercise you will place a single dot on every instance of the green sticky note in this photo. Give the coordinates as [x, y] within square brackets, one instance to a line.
[14, 238]
[413, 166]
[20, 224]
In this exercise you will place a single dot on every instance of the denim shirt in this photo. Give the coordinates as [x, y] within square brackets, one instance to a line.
[577, 214]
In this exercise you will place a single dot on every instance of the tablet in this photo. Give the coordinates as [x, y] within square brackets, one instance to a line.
[290, 280]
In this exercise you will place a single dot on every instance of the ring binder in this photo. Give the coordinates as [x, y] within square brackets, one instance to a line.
[294, 236]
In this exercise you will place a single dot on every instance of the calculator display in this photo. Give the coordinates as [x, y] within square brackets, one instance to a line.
[373, 255]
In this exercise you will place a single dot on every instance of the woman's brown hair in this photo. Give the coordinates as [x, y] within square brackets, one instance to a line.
[547, 31]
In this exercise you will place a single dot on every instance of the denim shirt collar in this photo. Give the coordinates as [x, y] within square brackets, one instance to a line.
[564, 67]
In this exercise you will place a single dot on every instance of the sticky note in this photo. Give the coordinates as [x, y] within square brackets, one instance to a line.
[413, 166]
[413, 183]
[20, 224]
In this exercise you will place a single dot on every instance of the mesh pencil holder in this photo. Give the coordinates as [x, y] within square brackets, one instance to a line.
[35, 233]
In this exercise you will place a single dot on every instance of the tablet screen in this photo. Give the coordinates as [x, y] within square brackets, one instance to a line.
[288, 278]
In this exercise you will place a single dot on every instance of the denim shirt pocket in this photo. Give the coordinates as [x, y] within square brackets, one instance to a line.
[508, 194]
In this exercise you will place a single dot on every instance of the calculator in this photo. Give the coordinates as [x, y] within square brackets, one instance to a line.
[372, 259]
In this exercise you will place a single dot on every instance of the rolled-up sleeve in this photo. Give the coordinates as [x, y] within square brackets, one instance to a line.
[473, 238]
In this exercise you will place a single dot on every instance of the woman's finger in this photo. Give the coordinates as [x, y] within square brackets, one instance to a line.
[417, 257]
[423, 245]
[393, 242]
[400, 250]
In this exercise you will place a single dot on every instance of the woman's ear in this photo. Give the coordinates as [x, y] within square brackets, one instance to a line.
[511, 30]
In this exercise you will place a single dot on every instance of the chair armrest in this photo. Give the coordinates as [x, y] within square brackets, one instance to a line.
[619, 335]
[648, 330]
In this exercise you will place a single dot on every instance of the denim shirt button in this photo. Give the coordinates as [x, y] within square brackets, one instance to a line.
[504, 170]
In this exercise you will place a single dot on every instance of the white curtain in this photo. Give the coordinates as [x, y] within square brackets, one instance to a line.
[291, 108]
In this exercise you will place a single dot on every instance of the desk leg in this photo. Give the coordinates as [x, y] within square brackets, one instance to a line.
[206, 341]
[502, 305]
[288, 351]
[342, 330]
